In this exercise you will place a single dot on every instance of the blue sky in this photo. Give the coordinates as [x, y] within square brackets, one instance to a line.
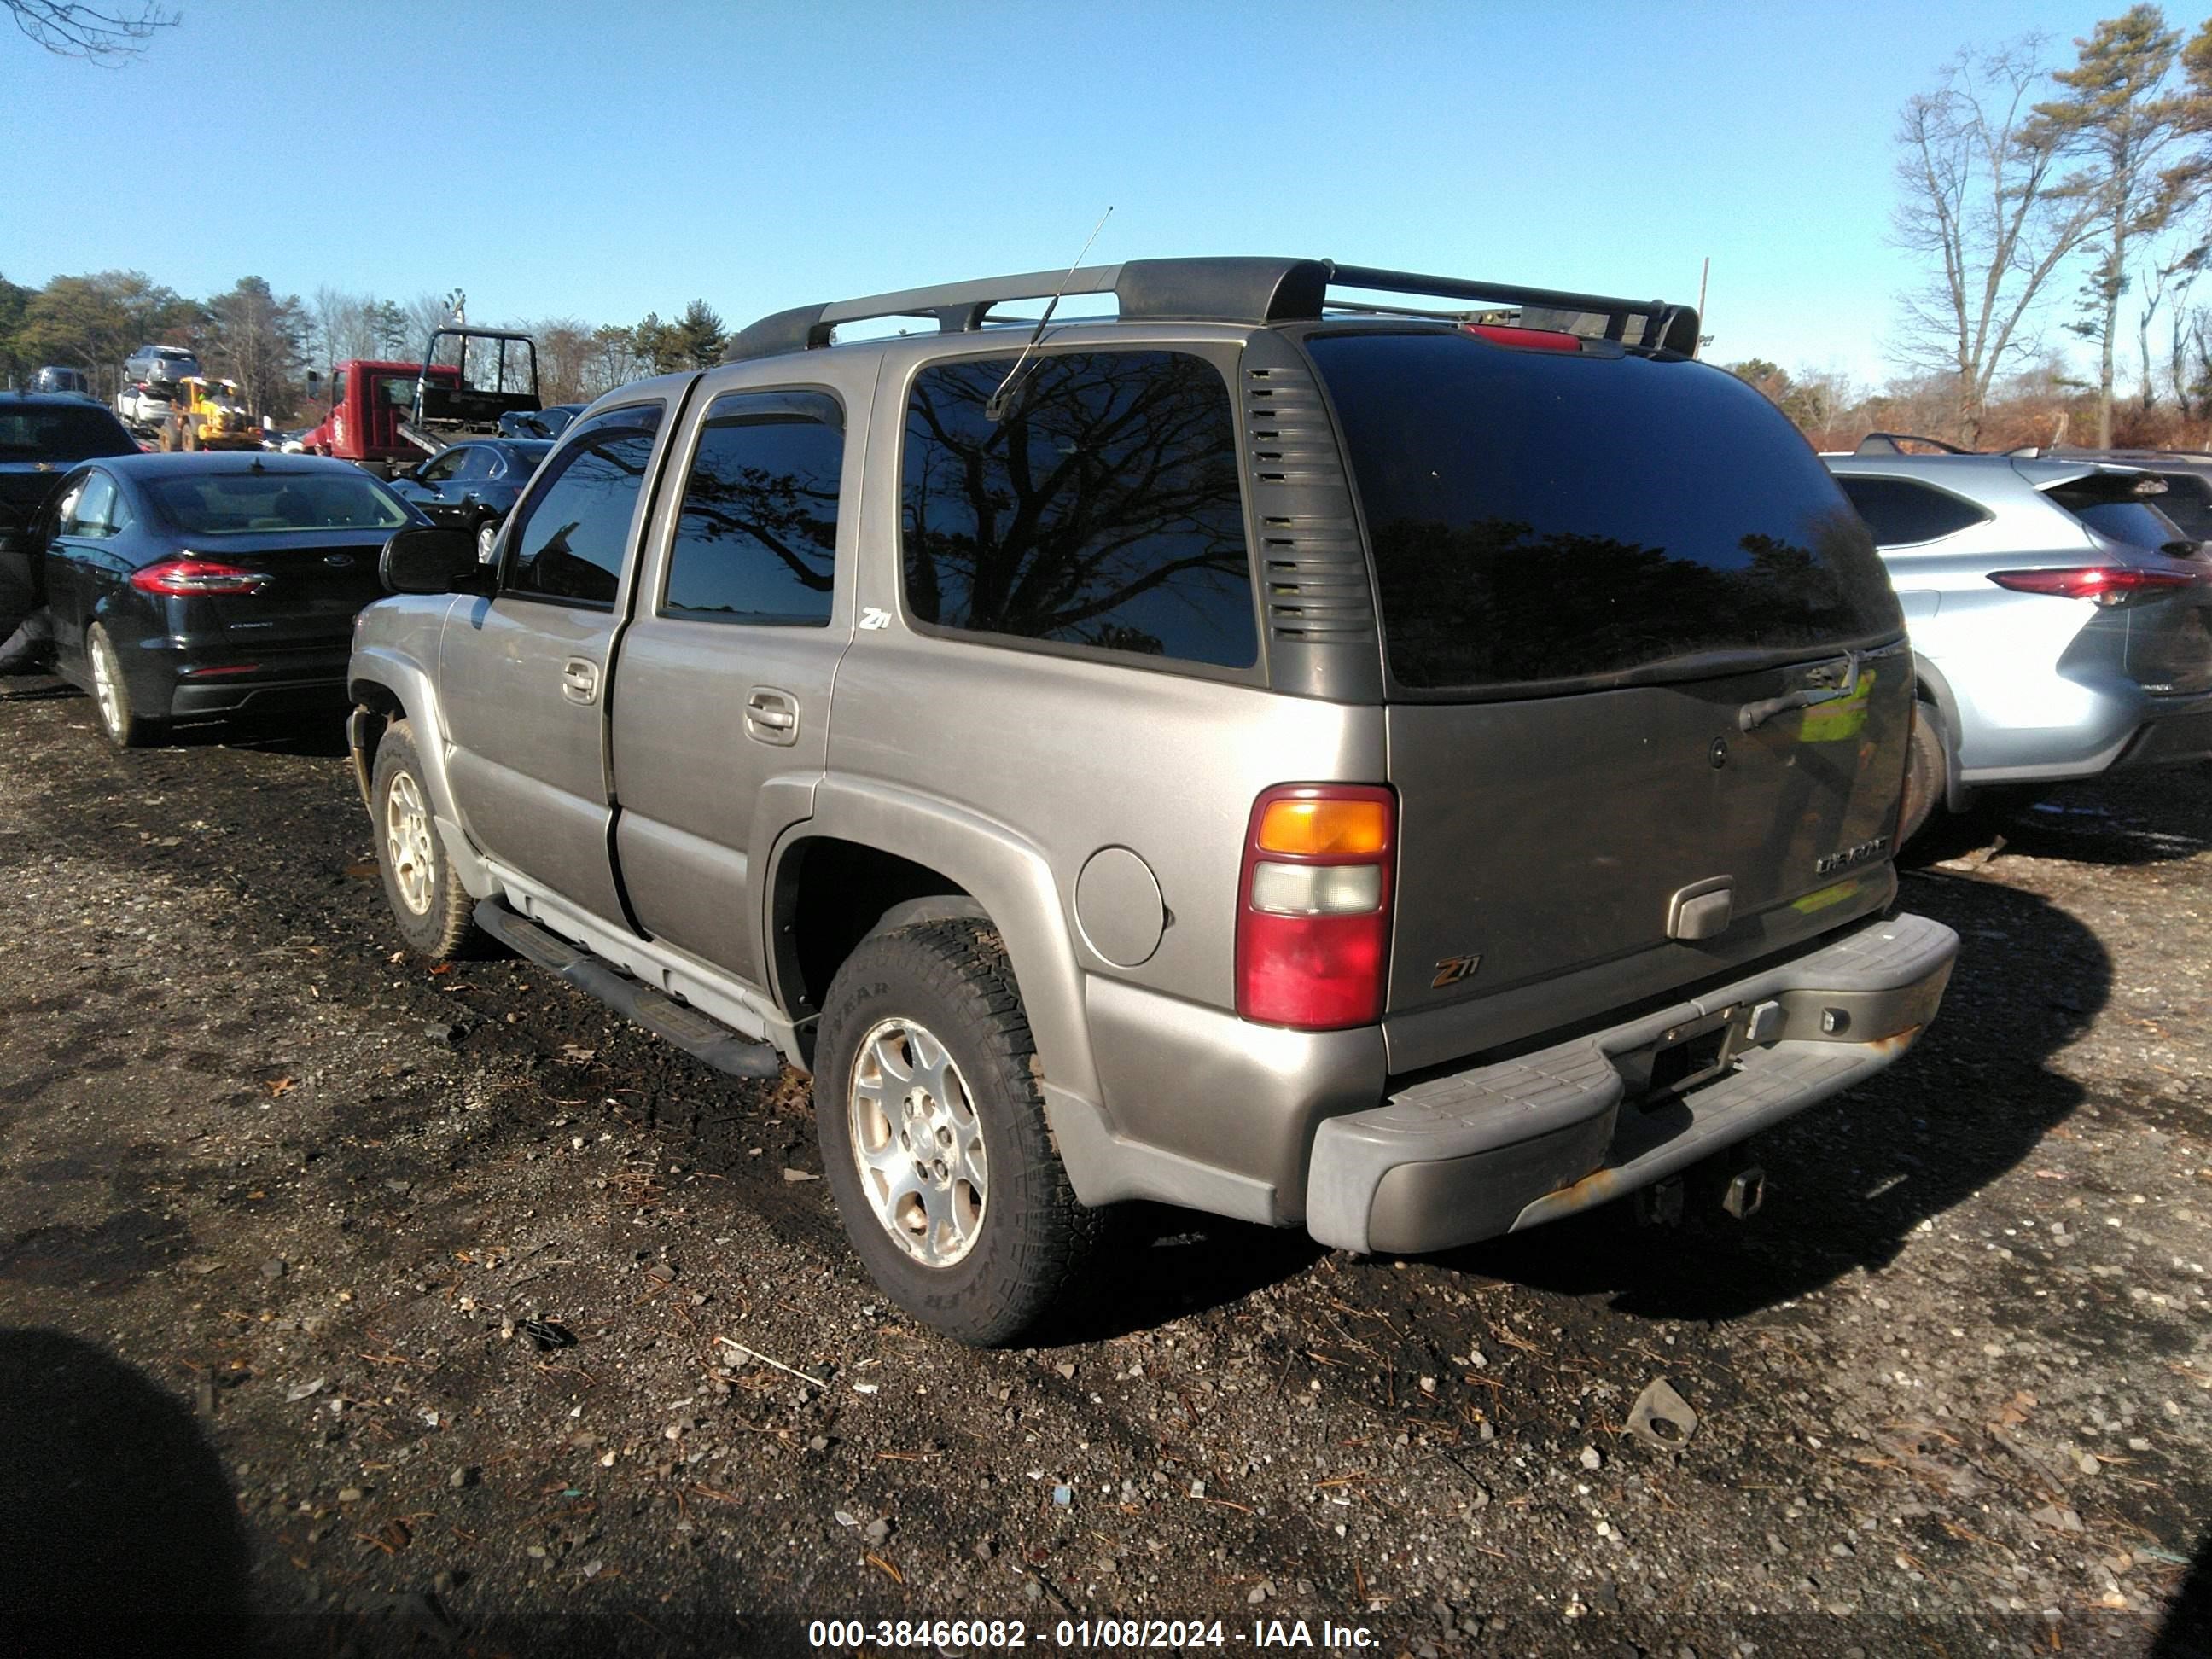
[603, 160]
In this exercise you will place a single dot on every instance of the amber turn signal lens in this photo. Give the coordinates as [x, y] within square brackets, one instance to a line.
[1317, 827]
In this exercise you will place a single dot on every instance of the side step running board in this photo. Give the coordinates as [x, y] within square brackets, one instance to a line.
[702, 1038]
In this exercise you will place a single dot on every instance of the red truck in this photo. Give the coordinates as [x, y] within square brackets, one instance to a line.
[369, 401]
[386, 415]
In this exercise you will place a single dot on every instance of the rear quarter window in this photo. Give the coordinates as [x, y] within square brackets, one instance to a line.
[1100, 509]
[1902, 513]
[1542, 518]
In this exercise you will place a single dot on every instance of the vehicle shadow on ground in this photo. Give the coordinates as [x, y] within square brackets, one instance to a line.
[317, 734]
[35, 688]
[2151, 818]
[119, 1532]
[1849, 1179]
[1161, 1264]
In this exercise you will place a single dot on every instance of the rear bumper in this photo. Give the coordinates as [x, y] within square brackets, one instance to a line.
[194, 702]
[1500, 1147]
[2176, 732]
[294, 678]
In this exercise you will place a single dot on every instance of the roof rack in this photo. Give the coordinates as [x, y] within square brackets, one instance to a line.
[1893, 443]
[1239, 290]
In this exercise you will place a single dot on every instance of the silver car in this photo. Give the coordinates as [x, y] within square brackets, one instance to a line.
[2061, 623]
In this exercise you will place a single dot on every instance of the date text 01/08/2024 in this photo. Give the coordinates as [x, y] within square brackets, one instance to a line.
[1085, 1635]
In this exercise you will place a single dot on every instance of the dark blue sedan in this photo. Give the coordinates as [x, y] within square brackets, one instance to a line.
[188, 586]
[474, 485]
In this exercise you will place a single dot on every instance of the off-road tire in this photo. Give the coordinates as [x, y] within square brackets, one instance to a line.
[1035, 1237]
[191, 438]
[119, 719]
[443, 928]
[1927, 772]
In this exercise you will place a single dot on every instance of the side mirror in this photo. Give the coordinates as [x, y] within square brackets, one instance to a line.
[430, 560]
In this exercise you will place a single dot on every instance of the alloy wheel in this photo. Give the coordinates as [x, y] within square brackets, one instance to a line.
[408, 846]
[918, 1143]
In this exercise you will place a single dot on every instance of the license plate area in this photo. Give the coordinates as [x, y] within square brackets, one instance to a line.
[1684, 1056]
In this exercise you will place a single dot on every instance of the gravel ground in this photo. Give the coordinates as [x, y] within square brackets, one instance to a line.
[442, 1311]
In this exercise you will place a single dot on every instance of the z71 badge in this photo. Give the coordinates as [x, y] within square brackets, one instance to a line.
[1452, 969]
[1851, 856]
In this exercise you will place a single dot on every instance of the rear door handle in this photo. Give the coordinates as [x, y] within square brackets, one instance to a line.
[772, 716]
[580, 679]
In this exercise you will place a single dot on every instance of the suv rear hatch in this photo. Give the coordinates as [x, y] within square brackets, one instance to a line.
[2154, 618]
[1617, 591]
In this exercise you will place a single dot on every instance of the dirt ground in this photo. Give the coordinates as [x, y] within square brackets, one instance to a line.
[416, 1311]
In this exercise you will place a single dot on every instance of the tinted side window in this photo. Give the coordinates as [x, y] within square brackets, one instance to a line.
[447, 465]
[1900, 513]
[1102, 509]
[92, 509]
[758, 538]
[574, 534]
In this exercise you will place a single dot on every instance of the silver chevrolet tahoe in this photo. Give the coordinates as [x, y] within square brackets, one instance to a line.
[1397, 756]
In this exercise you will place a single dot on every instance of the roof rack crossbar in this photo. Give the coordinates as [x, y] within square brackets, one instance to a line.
[1257, 290]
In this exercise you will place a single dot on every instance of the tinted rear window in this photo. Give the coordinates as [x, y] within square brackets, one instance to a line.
[1537, 516]
[250, 503]
[2188, 503]
[2138, 523]
[61, 432]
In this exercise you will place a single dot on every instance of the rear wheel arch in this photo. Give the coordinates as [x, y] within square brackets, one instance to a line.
[828, 894]
[1930, 688]
[959, 866]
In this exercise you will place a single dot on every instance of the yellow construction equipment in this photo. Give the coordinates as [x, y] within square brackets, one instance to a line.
[210, 414]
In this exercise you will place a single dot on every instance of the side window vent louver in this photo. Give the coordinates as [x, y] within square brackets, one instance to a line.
[1311, 569]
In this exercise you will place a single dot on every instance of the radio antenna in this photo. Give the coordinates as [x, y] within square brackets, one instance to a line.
[995, 410]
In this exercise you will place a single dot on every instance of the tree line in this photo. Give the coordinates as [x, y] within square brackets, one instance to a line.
[2028, 183]
[269, 342]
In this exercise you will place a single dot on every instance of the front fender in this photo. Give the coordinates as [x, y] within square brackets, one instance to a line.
[398, 673]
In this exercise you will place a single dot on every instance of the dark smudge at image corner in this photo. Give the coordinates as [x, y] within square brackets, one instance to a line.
[119, 1532]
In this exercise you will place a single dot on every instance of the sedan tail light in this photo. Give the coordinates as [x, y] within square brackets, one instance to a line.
[182, 578]
[2109, 585]
[1313, 919]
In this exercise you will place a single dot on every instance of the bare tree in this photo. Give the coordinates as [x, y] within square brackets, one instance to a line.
[87, 32]
[565, 354]
[615, 360]
[427, 313]
[1976, 179]
[337, 319]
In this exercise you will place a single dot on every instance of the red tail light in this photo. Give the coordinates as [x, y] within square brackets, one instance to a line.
[2107, 584]
[1313, 906]
[182, 578]
[1527, 339]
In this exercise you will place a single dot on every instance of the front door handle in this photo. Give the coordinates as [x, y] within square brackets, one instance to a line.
[772, 716]
[580, 679]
